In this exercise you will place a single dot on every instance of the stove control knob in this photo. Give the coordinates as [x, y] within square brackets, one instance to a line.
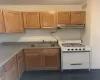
[83, 48]
[72, 49]
[79, 49]
[68, 49]
[76, 49]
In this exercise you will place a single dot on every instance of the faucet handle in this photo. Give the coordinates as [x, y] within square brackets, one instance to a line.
[43, 41]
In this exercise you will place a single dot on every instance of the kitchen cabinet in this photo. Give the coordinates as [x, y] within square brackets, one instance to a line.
[21, 63]
[33, 59]
[48, 19]
[11, 70]
[42, 59]
[2, 73]
[31, 20]
[78, 17]
[13, 21]
[63, 17]
[2, 29]
[51, 59]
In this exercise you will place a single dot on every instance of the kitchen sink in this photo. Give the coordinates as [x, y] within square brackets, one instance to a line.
[43, 45]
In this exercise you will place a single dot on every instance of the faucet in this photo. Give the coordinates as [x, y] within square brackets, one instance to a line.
[43, 41]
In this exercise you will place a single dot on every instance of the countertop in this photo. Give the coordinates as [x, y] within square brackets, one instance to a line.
[9, 50]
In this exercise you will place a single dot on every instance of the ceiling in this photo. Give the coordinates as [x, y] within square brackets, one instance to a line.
[43, 2]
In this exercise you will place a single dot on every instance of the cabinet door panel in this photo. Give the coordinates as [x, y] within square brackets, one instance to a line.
[77, 17]
[21, 62]
[63, 18]
[21, 66]
[48, 20]
[31, 20]
[13, 21]
[10, 63]
[33, 61]
[2, 29]
[2, 74]
[12, 73]
[51, 59]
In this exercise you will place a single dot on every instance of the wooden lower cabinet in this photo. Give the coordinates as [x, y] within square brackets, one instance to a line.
[42, 59]
[11, 69]
[12, 73]
[33, 59]
[2, 74]
[51, 59]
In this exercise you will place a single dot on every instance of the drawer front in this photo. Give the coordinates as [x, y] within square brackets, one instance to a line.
[29, 51]
[76, 66]
[51, 51]
[10, 63]
[75, 57]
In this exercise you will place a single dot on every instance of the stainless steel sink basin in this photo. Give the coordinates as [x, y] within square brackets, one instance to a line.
[42, 45]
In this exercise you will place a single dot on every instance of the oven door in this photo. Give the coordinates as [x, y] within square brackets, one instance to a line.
[75, 60]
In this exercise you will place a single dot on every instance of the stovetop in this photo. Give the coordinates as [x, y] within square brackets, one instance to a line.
[73, 45]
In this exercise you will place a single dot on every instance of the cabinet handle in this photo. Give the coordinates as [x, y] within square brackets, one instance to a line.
[76, 64]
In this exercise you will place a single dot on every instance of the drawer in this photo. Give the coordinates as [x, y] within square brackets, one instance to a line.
[50, 51]
[38, 51]
[76, 66]
[75, 57]
[20, 55]
[10, 63]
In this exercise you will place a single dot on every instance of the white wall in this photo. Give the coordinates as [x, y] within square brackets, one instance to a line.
[92, 33]
[86, 37]
[43, 33]
[64, 34]
[95, 33]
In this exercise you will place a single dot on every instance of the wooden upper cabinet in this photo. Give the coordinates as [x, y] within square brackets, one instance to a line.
[63, 18]
[31, 20]
[78, 17]
[48, 20]
[13, 21]
[2, 29]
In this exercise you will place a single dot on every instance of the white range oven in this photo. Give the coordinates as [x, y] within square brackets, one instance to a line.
[74, 55]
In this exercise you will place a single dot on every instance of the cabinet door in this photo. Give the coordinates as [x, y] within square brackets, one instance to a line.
[2, 73]
[2, 29]
[12, 73]
[10, 63]
[20, 59]
[51, 59]
[63, 18]
[78, 17]
[33, 59]
[20, 66]
[13, 21]
[31, 20]
[48, 20]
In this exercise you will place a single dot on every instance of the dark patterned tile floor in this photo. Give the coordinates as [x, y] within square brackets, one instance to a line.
[58, 75]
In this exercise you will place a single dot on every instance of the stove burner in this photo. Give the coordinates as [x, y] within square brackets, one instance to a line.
[73, 45]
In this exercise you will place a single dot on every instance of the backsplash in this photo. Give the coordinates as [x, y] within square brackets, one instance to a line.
[43, 33]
